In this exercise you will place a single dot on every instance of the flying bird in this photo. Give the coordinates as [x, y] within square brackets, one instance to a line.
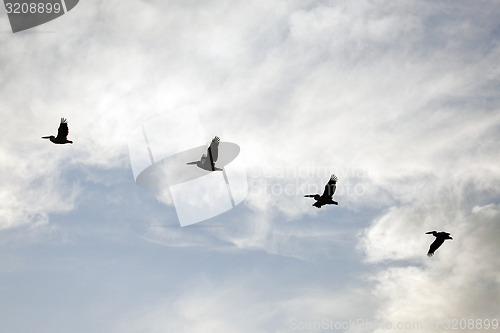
[207, 161]
[62, 134]
[326, 197]
[440, 238]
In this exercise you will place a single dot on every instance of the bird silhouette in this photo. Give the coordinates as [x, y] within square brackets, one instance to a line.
[326, 197]
[440, 238]
[62, 134]
[207, 161]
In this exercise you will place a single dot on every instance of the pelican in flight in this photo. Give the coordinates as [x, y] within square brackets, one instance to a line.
[207, 161]
[326, 197]
[440, 238]
[62, 134]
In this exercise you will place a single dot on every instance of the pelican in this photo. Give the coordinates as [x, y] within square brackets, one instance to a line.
[207, 161]
[326, 197]
[62, 134]
[440, 238]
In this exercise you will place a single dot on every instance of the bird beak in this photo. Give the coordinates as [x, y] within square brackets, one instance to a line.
[45, 137]
[430, 232]
[191, 163]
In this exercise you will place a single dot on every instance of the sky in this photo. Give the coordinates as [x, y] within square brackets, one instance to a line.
[400, 100]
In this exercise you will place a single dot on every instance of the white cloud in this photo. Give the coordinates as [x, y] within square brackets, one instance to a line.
[460, 281]
[400, 99]
[249, 303]
[206, 307]
[32, 187]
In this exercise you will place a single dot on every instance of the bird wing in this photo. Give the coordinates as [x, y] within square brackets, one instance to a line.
[435, 245]
[330, 187]
[62, 132]
[213, 150]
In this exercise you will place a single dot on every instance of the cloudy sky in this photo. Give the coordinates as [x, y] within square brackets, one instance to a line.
[401, 100]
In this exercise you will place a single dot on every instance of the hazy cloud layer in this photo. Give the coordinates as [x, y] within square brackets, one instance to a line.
[400, 100]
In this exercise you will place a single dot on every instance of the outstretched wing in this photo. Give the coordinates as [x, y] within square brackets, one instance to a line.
[214, 149]
[213, 152]
[62, 132]
[434, 246]
[330, 187]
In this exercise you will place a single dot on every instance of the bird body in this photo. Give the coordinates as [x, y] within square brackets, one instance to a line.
[207, 161]
[327, 197]
[440, 238]
[62, 134]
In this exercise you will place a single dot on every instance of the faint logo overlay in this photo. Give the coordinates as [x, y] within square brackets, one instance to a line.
[308, 179]
[161, 150]
[26, 14]
[357, 324]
